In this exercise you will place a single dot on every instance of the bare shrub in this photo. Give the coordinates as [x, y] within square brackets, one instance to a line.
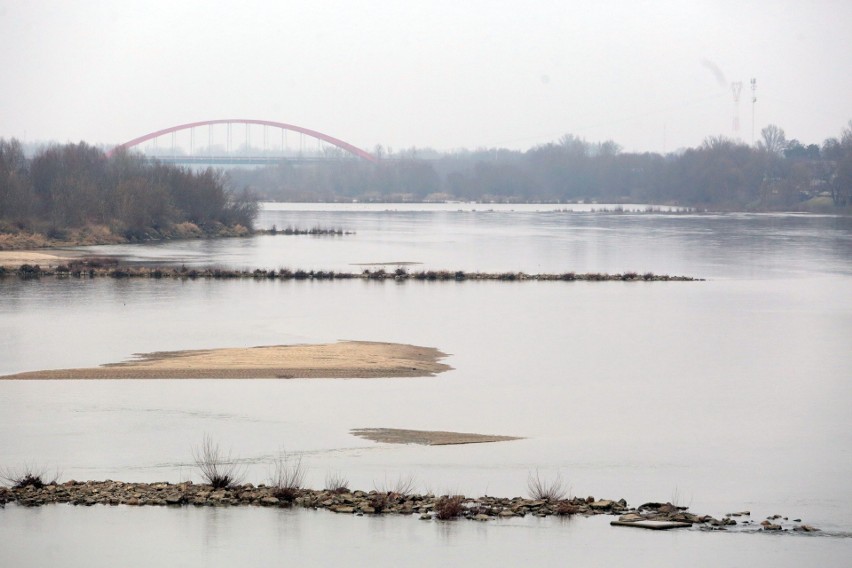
[402, 487]
[28, 475]
[449, 507]
[390, 492]
[288, 477]
[336, 482]
[217, 468]
[677, 500]
[547, 490]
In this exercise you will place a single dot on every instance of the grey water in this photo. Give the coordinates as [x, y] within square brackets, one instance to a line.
[727, 394]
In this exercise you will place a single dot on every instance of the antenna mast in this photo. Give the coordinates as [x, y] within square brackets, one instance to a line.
[753, 100]
[736, 89]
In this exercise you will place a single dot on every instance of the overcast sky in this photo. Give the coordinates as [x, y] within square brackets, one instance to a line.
[650, 75]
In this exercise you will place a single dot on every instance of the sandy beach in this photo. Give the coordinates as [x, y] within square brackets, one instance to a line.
[346, 359]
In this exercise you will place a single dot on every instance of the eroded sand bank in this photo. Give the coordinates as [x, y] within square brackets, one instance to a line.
[346, 359]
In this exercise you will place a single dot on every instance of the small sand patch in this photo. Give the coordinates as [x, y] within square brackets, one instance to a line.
[426, 437]
[346, 359]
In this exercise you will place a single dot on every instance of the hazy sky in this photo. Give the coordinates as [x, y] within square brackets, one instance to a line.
[651, 75]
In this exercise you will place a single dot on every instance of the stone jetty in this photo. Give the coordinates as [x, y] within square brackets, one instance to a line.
[107, 267]
[344, 501]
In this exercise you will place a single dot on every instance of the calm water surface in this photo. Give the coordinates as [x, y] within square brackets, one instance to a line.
[727, 394]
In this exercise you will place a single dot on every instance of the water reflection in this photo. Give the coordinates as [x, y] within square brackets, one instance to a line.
[631, 389]
[110, 536]
[713, 246]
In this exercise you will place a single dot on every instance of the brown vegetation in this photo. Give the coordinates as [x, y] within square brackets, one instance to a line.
[288, 477]
[449, 507]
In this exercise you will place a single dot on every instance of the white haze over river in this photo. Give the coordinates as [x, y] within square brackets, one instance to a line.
[727, 394]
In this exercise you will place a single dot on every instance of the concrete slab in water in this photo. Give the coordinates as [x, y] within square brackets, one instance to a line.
[653, 525]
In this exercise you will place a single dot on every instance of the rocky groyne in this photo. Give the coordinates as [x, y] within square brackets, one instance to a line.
[92, 268]
[344, 501]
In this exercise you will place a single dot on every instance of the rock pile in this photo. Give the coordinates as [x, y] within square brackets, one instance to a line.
[352, 502]
[672, 513]
[99, 267]
[427, 507]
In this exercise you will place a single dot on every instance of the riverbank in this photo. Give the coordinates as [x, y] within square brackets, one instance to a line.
[89, 235]
[346, 359]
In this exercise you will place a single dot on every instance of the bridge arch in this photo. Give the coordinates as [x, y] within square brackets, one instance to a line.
[354, 150]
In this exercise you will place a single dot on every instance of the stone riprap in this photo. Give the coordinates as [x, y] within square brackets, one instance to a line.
[426, 507]
[91, 268]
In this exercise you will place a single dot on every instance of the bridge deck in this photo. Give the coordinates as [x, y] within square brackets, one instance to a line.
[243, 160]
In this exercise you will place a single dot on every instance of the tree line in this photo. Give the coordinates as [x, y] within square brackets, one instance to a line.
[721, 173]
[73, 185]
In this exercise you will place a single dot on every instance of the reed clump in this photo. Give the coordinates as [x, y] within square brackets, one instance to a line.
[288, 477]
[550, 490]
[449, 507]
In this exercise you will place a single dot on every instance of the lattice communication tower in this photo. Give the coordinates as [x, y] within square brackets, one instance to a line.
[736, 89]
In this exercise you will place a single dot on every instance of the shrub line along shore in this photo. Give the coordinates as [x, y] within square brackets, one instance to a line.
[344, 501]
[100, 267]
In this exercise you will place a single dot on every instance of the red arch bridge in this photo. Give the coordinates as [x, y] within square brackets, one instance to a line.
[241, 141]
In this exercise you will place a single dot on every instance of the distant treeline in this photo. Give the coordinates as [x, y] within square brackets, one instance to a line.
[720, 174]
[69, 186]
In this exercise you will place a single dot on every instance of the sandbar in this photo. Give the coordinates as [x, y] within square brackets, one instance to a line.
[426, 437]
[344, 359]
[18, 257]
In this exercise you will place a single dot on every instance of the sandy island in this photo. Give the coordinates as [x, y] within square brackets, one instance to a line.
[426, 437]
[346, 359]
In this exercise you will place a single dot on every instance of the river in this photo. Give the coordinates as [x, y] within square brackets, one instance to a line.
[727, 394]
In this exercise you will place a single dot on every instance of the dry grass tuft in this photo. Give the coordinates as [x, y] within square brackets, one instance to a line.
[288, 477]
[217, 468]
[29, 475]
[336, 482]
[547, 490]
[449, 507]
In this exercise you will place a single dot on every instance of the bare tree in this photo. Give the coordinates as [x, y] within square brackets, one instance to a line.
[774, 140]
